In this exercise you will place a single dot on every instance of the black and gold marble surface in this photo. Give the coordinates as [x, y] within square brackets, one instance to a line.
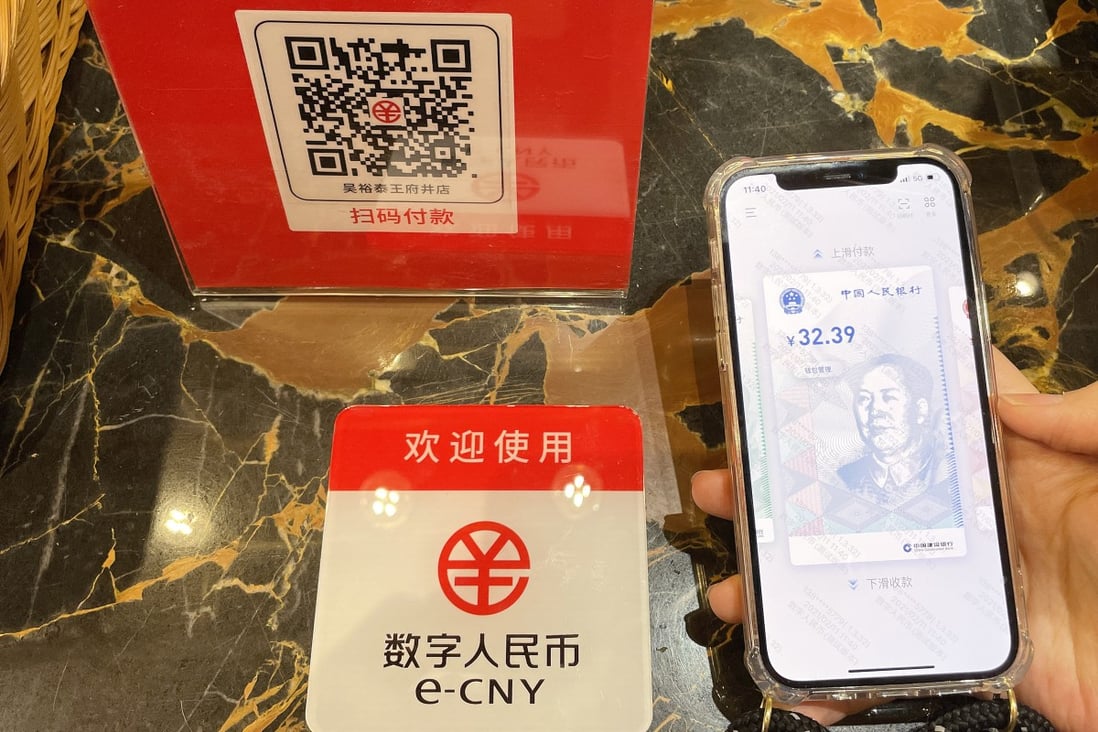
[164, 459]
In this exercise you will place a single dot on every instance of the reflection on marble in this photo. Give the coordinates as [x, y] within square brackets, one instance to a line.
[163, 477]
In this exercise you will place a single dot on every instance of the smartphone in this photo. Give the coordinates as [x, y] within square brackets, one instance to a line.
[873, 529]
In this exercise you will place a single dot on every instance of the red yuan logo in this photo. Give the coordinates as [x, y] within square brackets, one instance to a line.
[479, 580]
[386, 111]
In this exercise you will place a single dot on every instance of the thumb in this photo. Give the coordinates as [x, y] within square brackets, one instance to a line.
[1067, 422]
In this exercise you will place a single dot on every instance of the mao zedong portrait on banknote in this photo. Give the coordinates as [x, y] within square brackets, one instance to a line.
[904, 468]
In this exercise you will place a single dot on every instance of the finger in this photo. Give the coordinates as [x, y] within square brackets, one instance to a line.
[1066, 422]
[726, 599]
[829, 712]
[1008, 379]
[712, 491]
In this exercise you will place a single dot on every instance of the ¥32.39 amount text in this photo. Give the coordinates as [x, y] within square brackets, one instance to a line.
[833, 336]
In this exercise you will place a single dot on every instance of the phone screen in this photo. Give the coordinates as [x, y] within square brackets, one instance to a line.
[865, 436]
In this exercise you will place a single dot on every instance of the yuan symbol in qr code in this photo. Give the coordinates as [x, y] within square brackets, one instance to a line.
[384, 107]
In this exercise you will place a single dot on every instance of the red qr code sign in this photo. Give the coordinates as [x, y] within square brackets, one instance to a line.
[386, 111]
[483, 568]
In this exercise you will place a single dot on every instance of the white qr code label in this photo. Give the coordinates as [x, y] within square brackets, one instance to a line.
[387, 122]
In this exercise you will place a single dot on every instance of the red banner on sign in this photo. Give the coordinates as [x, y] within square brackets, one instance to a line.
[572, 449]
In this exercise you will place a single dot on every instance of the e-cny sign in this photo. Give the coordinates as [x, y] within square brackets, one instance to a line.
[483, 568]
[532, 518]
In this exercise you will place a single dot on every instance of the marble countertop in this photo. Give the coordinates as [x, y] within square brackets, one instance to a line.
[129, 407]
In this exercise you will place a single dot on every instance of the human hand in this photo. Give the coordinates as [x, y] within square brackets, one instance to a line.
[1051, 454]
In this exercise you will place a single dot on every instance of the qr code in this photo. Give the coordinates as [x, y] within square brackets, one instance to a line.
[373, 106]
[387, 121]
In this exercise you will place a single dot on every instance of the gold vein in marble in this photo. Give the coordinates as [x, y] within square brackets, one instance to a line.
[96, 504]
[295, 522]
[262, 703]
[808, 29]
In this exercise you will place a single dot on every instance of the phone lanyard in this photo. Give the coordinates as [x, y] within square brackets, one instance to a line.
[980, 716]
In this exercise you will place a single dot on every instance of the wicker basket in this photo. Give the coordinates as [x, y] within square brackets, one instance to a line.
[37, 39]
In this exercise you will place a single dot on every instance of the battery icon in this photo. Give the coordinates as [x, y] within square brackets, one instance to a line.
[930, 176]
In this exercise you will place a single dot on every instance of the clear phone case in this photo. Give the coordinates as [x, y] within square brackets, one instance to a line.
[753, 657]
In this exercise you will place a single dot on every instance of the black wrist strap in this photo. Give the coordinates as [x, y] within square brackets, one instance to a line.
[980, 716]
[989, 715]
